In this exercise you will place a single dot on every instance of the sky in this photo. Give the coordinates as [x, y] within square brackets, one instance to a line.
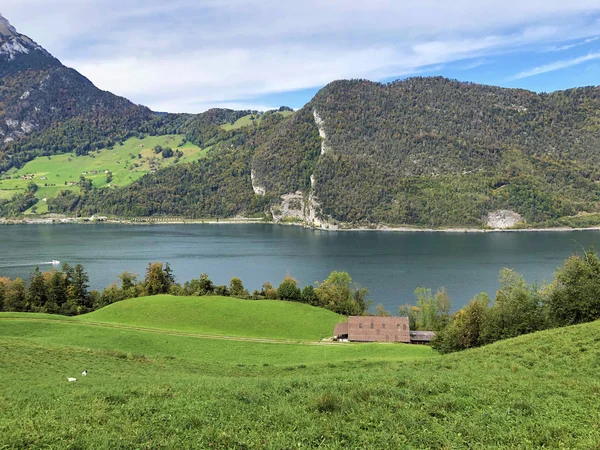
[192, 55]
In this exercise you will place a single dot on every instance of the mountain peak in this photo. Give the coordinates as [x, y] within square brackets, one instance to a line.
[12, 42]
[6, 29]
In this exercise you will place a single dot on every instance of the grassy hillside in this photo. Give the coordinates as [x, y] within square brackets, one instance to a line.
[251, 119]
[60, 172]
[539, 390]
[221, 316]
[199, 350]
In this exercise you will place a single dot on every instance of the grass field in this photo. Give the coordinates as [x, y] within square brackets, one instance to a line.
[222, 316]
[57, 172]
[250, 119]
[152, 389]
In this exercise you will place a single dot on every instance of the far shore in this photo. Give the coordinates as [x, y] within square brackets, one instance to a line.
[60, 220]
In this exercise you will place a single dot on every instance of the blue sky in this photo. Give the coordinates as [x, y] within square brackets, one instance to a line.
[191, 55]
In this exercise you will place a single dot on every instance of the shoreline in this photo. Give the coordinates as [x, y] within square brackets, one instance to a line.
[247, 221]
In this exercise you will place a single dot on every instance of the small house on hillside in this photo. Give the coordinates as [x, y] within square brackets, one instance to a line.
[380, 329]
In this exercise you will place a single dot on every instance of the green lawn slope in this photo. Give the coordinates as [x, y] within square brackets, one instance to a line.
[535, 391]
[128, 162]
[221, 316]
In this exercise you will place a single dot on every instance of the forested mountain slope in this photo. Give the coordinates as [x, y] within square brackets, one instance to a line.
[432, 151]
[423, 151]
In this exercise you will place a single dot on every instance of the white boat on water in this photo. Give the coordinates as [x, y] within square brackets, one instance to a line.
[54, 262]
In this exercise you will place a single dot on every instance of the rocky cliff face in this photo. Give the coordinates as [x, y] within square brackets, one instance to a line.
[503, 219]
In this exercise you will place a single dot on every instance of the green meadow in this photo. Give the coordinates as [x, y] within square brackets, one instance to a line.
[250, 119]
[221, 316]
[127, 163]
[155, 383]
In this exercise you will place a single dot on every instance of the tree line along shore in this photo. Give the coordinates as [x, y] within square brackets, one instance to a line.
[573, 297]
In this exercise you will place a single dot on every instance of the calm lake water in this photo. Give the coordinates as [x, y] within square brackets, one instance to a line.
[390, 265]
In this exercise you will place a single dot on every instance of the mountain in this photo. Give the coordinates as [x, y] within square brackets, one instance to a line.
[433, 151]
[421, 152]
[47, 108]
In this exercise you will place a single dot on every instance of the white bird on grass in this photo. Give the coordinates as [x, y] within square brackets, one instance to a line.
[71, 379]
[84, 373]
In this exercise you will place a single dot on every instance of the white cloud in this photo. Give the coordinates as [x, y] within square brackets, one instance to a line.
[184, 55]
[561, 48]
[557, 65]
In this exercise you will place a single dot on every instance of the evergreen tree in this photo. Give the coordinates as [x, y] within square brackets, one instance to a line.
[79, 287]
[37, 293]
[57, 292]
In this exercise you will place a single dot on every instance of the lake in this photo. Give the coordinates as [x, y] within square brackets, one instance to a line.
[390, 264]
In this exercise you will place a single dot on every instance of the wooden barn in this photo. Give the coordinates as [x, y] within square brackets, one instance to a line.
[374, 329]
[380, 329]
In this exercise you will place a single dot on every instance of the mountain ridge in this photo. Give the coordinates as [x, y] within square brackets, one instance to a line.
[423, 151]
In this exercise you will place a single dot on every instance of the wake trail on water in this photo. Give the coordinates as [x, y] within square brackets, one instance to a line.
[29, 264]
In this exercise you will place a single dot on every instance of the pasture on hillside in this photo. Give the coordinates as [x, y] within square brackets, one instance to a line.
[221, 316]
[251, 119]
[127, 163]
[152, 390]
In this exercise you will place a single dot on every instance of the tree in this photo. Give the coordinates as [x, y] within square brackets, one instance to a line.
[338, 294]
[15, 296]
[236, 288]
[4, 282]
[222, 291]
[309, 296]
[128, 280]
[205, 285]
[157, 281]
[381, 311]
[576, 294]
[167, 152]
[37, 293]
[202, 286]
[268, 291]
[465, 329]
[68, 273]
[79, 287]
[169, 274]
[57, 292]
[518, 309]
[443, 306]
[85, 185]
[431, 313]
[32, 188]
[109, 176]
[412, 312]
[288, 289]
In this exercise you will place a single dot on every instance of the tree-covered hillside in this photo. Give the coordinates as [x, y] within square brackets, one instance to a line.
[423, 151]
[432, 151]
[217, 186]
